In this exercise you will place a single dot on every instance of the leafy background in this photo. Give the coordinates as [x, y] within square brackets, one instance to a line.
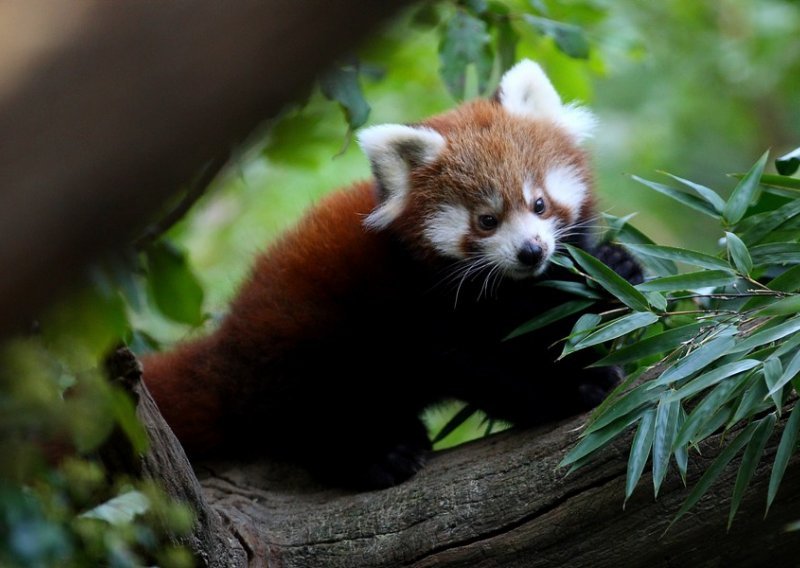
[699, 88]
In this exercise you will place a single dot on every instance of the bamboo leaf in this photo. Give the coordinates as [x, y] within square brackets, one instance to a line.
[681, 255]
[665, 429]
[783, 307]
[756, 227]
[610, 280]
[706, 411]
[617, 328]
[627, 234]
[788, 281]
[785, 450]
[576, 288]
[696, 360]
[737, 250]
[714, 470]
[743, 193]
[707, 380]
[660, 343]
[585, 325]
[791, 184]
[550, 316]
[460, 417]
[775, 253]
[682, 197]
[789, 372]
[629, 402]
[682, 451]
[708, 194]
[688, 281]
[751, 402]
[768, 335]
[752, 455]
[599, 439]
[773, 371]
[640, 450]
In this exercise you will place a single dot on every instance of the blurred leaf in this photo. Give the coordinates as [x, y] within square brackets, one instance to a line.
[739, 253]
[640, 451]
[788, 163]
[682, 197]
[711, 378]
[121, 509]
[576, 288]
[456, 421]
[477, 7]
[698, 359]
[791, 185]
[665, 429]
[617, 328]
[660, 343]
[426, 16]
[610, 280]
[744, 192]
[714, 470]
[775, 253]
[708, 194]
[550, 316]
[507, 40]
[786, 448]
[569, 38]
[681, 255]
[465, 42]
[768, 335]
[174, 287]
[340, 84]
[125, 414]
[688, 281]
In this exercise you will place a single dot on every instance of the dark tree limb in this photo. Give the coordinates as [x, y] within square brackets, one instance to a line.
[108, 108]
[499, 501]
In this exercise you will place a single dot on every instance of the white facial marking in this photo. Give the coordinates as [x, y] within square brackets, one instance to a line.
[517, 229]
[446, 229]
[393, 149]
[527, 193]
[565, 186]
[526, 91]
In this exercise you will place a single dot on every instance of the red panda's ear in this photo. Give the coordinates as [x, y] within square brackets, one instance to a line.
[526, 91]
[393, 151]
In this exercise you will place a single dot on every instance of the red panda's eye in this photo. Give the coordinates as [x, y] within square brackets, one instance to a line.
[538, 206]
[487, 222]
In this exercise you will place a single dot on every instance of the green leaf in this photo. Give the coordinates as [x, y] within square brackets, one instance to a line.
[585, 324]
[340, 84]
[576, 288]
[705, 411]
[788, 163]
[789, 372]
[790, 184]
[652, 345]
[507, 40]
[569, 39]
[688, 281]
[682, 451]
[756, 227]
[786, 306]
[711, 378]
[773, 371]
[629, 402]
[550, 316]
[466, 41]
[709, 195]
[681, 255]
[657, 300]
[714, 470]
[698, 359]
[599, 439]
[768, 335]
[615, 394]
[120, 510]
[775, 253]
[682, 197]
[743, 193]
[627, 234]
[665, 430]
[174, 287]
[610, 280]
[751, 402]
[788, 281]
[737, 251]
[640, 450]
[786, 448]
[460, 417]
[617, 328]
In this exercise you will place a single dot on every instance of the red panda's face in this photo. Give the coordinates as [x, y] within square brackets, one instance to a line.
[496, 184]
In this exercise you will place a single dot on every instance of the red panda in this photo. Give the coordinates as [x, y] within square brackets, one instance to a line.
[396, 293]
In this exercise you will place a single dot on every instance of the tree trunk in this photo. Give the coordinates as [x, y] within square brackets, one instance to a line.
[499, 501]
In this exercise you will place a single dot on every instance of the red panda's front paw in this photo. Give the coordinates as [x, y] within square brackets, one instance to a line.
[620, 261]
[396, 466]
[597, 385]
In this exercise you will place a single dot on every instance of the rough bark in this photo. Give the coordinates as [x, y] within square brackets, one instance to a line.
[500, 501]
[107, 108]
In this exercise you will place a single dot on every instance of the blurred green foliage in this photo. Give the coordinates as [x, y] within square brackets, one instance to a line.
[695, 87]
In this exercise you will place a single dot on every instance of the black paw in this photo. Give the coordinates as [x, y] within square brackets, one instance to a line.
[620, 261]
[597, 384]
[395, 466]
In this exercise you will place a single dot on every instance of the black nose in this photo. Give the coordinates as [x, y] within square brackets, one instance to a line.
[530, 254]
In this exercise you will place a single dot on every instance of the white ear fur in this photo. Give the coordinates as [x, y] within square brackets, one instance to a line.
[393, 150]
[526, 91]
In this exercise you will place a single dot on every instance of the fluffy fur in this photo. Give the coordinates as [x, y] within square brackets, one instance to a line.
[392, 295]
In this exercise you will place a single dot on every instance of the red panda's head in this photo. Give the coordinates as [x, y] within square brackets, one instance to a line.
[497, 183]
